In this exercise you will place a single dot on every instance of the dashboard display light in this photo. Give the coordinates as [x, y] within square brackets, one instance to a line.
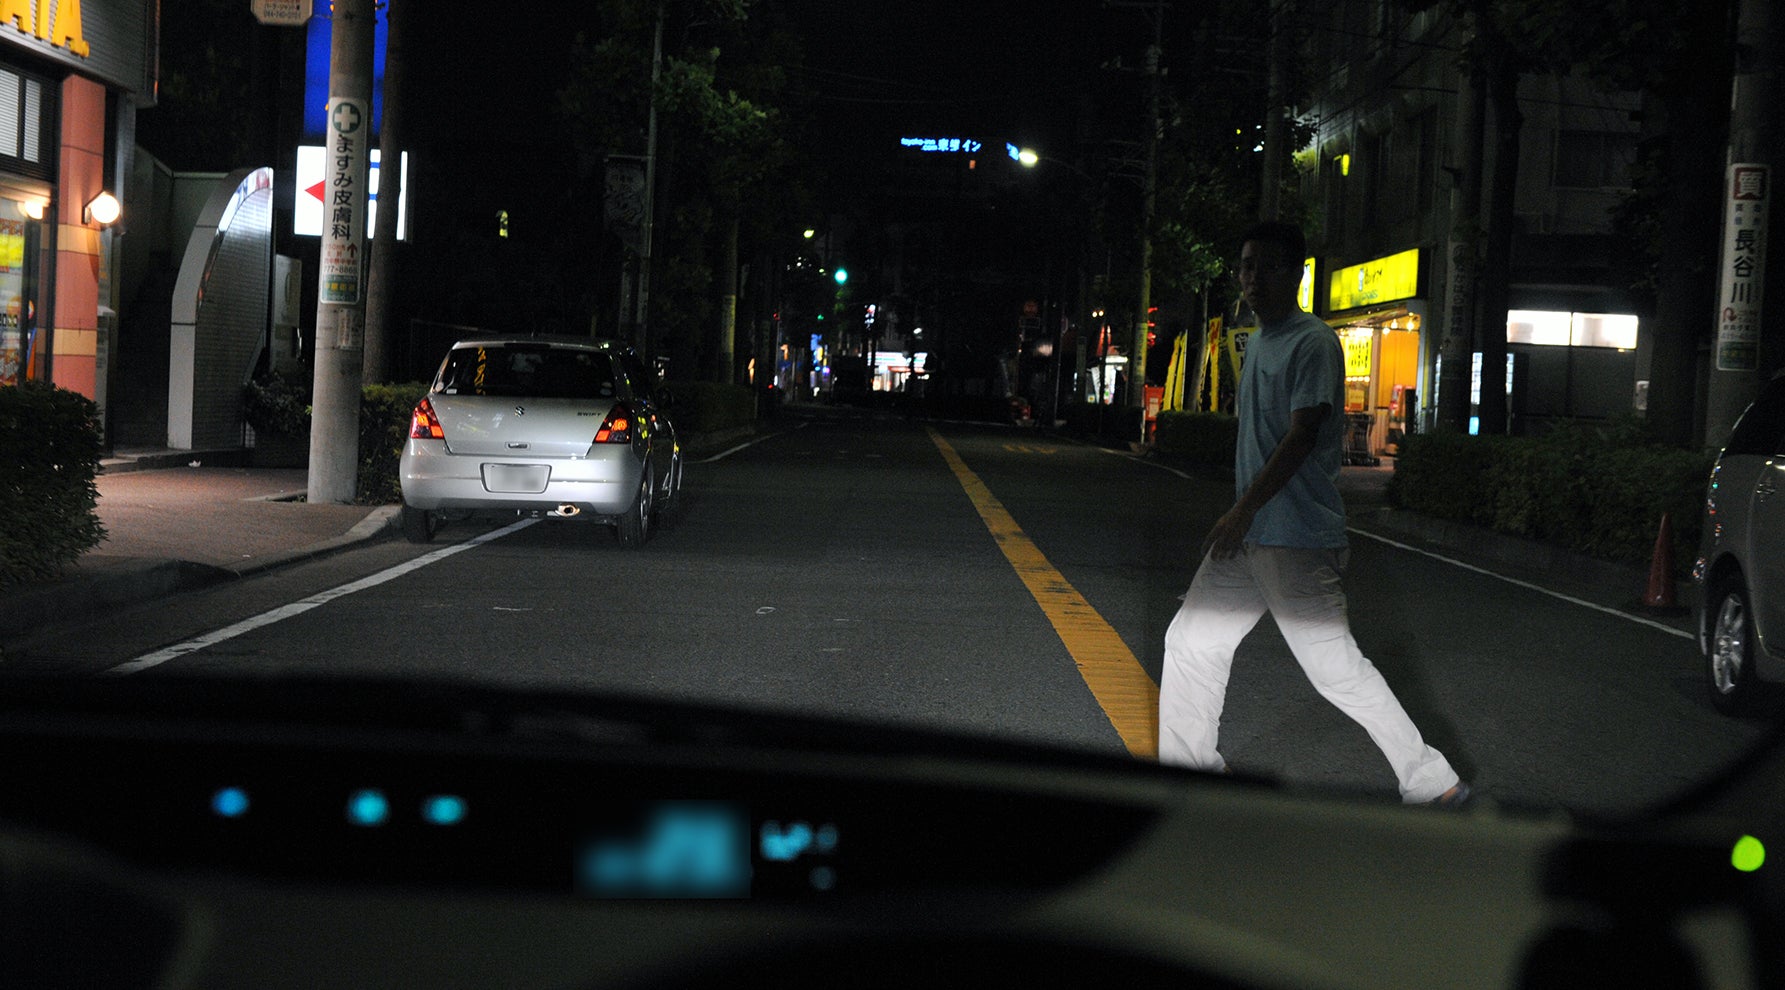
[368, 808]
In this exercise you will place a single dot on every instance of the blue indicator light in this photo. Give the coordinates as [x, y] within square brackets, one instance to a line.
[823, 878]
[368, 807]
[443, 809]
[780, 843]
[784, 844]
[230, 802]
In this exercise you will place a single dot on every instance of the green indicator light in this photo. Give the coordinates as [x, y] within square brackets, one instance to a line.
[1748, 855]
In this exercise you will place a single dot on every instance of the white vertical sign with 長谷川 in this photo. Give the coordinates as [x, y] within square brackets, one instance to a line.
[1744, 267]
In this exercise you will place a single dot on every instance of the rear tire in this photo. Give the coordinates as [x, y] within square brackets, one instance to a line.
[1730, 664]
[635, 523]
[419, 525]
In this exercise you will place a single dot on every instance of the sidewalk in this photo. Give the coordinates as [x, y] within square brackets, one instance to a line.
[172, 528]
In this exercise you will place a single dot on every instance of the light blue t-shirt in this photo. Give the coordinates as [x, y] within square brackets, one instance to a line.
[1293, 364]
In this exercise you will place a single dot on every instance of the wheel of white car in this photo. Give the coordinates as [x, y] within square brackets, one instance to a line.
[635, 523]
[1730, 662]
[419, 525]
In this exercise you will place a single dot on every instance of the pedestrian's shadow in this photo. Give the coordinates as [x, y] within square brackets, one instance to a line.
[1388, 640]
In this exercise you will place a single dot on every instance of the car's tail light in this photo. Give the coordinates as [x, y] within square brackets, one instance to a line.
[424, 425]
[617, 427]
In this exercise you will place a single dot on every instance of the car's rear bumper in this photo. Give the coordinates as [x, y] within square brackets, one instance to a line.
[603, 484]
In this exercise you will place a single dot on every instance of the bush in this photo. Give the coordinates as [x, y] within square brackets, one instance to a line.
[1443, 475]
[50, 445]
[1109, 422]
[1198, 437]
[1600, 491]
[708, 407]
[384, 412]
[276, 406]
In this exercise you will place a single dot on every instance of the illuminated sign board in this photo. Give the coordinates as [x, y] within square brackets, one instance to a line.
[318, 42]
[312, 167]
[1379, 281]
[1357, 345]
[1304, 296]
[109, 40]
[945, 144]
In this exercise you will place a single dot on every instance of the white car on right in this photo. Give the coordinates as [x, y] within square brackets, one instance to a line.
[1740, 570]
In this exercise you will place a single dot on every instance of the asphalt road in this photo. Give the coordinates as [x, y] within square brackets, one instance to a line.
[854, 566]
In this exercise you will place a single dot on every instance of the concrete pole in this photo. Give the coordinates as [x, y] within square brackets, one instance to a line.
[1137, 361]
[341, 296]
[1276, 121]
[642, 318]
[1740, 355]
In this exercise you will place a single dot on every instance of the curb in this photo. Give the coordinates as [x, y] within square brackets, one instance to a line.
[380, 522]
[96, 588]
[162, 460]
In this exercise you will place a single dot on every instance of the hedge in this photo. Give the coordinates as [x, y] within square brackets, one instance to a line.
[708, 407]
[1600, 491]
[50, 446]
[384, 413]
[1198, 437]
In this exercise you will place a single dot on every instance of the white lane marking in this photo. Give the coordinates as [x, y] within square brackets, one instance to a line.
[748, 443]
[1683, 634]
[1148, 463]
[283, 612]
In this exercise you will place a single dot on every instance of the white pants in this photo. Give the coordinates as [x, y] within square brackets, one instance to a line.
[1301, 590]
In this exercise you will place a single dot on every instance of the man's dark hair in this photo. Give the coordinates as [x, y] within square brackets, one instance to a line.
[1286, 236]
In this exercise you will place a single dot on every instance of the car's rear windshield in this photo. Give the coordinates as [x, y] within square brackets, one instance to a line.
[530, 370]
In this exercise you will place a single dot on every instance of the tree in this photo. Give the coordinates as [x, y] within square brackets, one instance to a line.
[719, 144]
[1677, 55]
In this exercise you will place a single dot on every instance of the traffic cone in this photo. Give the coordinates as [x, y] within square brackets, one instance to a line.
[1660, 593]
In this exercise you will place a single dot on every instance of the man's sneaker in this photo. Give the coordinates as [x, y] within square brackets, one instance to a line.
[1452, 799]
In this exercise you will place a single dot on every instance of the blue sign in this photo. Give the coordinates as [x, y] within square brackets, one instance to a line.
[318, 42]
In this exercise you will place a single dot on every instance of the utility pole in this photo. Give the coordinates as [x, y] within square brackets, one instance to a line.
[1137, 362]
[341, 297]
[1737, 367]
[381, 273]
[1137, 355]
[642, 318]
[1276, 121]
[1458, 341]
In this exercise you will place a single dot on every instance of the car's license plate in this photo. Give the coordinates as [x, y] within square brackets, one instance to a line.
[527, 479]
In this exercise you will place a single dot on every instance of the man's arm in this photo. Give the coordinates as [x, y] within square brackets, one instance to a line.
[1230, 530]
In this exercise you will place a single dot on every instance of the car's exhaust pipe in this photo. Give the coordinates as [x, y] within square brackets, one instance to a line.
[566, 510]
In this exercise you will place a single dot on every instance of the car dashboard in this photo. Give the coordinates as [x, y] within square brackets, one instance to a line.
[164, 834]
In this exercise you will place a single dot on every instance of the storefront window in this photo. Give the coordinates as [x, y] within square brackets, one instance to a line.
[19, 237]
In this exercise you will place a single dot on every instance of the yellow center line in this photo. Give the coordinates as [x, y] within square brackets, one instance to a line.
[1121, 686]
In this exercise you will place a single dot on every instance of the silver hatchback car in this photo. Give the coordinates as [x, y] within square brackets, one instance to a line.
[1740, 570]
[565, 427]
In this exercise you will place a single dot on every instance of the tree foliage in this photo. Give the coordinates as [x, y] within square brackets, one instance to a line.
[721, 137]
